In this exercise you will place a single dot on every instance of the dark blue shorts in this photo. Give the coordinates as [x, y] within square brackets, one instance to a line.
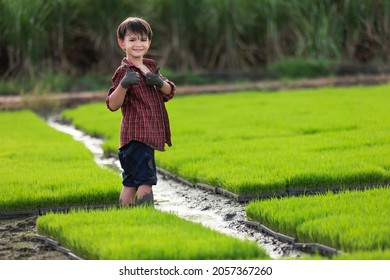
[138, 164]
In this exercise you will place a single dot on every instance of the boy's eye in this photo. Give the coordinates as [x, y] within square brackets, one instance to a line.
[132, 39]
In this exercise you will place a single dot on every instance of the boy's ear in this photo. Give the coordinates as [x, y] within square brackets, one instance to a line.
[121, 44]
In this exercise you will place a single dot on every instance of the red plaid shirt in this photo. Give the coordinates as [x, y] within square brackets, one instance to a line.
[144, 116]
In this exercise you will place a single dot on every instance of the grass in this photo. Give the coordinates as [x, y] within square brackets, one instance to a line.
[266, 143]
[42, 167]
[358, 255]
[251, 142]
[144, 234]
[365, 255]
[298, 67]
[49, 82]
[45, 168]
[339, 135]
[247, 35]
[351, 221]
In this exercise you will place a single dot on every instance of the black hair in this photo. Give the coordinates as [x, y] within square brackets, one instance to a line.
[134, 25]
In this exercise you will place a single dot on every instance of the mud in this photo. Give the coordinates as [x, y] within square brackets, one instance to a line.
[211, 210]
[217, 212]
[18, 242]
[65, 100]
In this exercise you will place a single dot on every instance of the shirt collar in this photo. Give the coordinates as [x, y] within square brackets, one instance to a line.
[146, 61]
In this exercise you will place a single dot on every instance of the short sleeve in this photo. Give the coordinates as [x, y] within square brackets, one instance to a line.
[116, 78]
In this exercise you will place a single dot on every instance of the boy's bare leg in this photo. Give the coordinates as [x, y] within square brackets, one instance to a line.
[127, 196]
[145, 195]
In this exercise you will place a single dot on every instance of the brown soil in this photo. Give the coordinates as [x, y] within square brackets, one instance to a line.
[18, 242]
[72, 99]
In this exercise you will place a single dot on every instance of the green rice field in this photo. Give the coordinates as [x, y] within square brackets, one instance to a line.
[294, 139]
[352, 221]
[41, 167]
[258, 142]
[143, 234]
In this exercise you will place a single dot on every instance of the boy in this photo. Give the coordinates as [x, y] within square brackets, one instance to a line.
[140, 91]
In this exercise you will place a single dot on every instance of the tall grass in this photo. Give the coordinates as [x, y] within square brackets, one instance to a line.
[33, 33]
[41, 167]
[191, 35]
[267, 143]
[143, 234]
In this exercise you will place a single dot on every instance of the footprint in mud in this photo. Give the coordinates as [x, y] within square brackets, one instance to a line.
[229, 216]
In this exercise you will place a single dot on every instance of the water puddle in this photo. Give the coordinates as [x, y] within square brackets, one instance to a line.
[214, 211]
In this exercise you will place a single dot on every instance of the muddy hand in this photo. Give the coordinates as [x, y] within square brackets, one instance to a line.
[153, 79]
[131, 78]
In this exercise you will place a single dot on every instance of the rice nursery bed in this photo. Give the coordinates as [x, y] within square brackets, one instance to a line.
[356, 222]
[142, 233]
[246, 143]
[41, 167]
[258, 143]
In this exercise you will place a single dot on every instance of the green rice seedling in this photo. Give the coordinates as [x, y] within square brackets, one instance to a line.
[251, 142]
[350, 221]
[365, 255]
[142, 233]
[96, 120]
[41, 167]
[358, 255]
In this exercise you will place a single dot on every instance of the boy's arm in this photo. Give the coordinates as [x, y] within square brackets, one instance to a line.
[115, 100]
[172, 91]
[168, 90]
[166, 87]
[117, 96]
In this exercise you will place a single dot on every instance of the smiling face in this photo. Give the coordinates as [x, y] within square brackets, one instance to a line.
[135, 45]
[134, 37]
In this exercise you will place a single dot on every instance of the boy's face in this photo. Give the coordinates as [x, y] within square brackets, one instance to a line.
[135, 45]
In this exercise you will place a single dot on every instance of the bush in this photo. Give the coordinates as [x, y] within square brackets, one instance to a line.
[301, 68]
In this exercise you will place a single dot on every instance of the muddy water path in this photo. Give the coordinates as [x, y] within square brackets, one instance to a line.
[212, 210]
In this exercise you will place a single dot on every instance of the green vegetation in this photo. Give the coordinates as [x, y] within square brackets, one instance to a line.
[301, 68]
[358, 255]
[144, 234]
[45, 168]
[41, 167]
[247, 143]
[365, 255]
[97, 121]
[252, 142]
[76, 37]
[55, 83]
[352, 221]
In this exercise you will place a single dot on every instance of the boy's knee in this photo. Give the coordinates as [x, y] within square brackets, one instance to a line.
[147, 199]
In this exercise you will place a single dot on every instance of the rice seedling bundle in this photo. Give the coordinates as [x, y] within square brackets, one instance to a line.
[252, 142]
[41, 167]
[351, 221]
[144, 234]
